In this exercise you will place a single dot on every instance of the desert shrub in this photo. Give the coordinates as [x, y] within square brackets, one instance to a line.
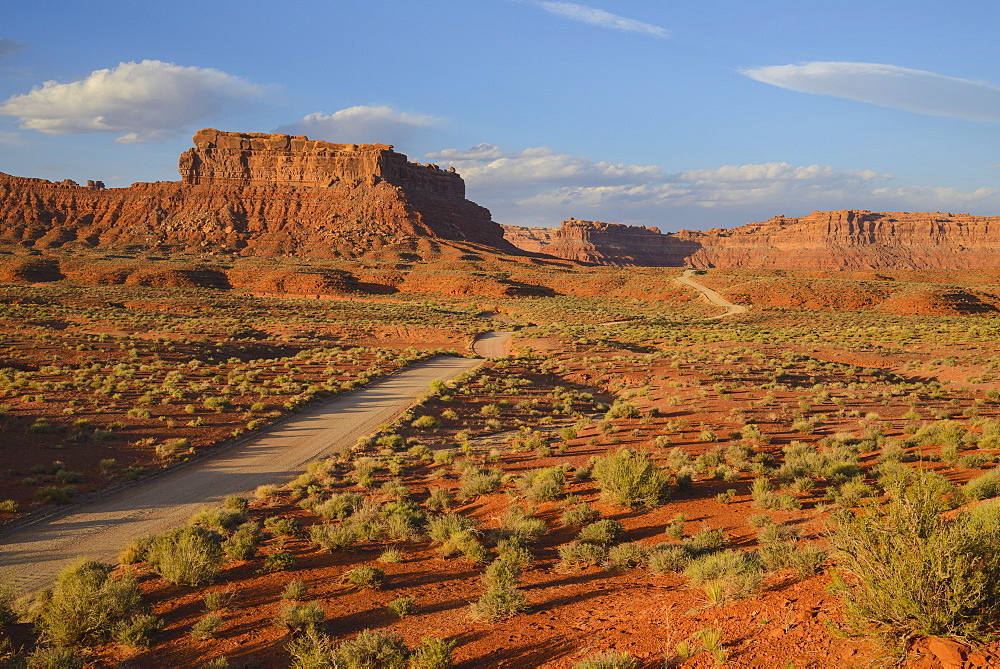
[627, 555]
[630, 479]
[443, 527]
[311, 650]
[86, 604]
[426, 423]
[731, 573]
[514, 553]
[704, 541]
[850, 493]
[983, 486]
[219, 519]
[371, 649]
[135, 551]
[218, 601]
[206, 627]
[297, 616]
[476, 482]
[55, 495]
[364, 577]
[433, 654]
[502, 598]
[445, 456]
[608, 659]
[668, 559]
[916, 572]
[55, 657]
[440, 499]
[579, 514]
[266, 490]
[577, 555]
[401, 607]
[334, 537]
[390, 556]
[622, 409]
[186, 556]
[339, 506]
[764, 497]
[236, 503]
[601, 532]
[242, 544]
[294, 591]
[282, 527]
[278, 561]
[402, 519]
[521, 525]
[543, 485]
[137, 631]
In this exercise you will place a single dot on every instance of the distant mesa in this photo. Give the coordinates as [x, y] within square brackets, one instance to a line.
[254, 194]
[831, 240]
[274, 195]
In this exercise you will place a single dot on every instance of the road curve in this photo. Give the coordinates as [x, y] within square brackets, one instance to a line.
[710, 295]
[100, 529]
[492, 344]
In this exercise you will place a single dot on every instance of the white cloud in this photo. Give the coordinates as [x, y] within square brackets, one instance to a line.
[888, 86]
[541, 187]
[600, 18]
[490, 166]
[362, 125]
[146, 101]
[9, 46]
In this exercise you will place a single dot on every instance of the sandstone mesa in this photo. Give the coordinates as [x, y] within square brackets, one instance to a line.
[273, 195]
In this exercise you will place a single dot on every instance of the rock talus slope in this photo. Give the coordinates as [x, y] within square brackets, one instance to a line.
[254, 194]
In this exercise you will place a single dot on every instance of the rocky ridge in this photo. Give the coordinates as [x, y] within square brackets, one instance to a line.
[254, 194]
[832, 240]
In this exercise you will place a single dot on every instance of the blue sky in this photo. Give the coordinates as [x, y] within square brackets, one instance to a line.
[675, 115]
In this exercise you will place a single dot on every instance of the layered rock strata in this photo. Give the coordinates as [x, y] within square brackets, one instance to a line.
[832, 240]
[254, 194]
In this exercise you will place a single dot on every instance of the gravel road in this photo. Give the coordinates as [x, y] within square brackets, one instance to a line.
[101, 528]
[710, 295]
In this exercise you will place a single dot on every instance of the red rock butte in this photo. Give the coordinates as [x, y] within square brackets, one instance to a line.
[832, 240]
[254, 194]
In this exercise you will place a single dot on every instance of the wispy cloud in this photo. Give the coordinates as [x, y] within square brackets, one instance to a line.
[600, 18]
[146, 101]
[888, 86]
[362, 124]
[539, 186]
[9, 46]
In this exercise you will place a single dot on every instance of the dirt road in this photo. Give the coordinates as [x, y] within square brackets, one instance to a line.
[491, 344]
[711, 295]
[100, 529]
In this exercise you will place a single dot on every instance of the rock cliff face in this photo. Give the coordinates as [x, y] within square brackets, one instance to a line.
[254, 194]
[850, 240]
[602, 243]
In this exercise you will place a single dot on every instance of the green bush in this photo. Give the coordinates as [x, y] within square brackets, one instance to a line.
[186, 556]
[401, 607]
[137, 631]
[242, 544]
[298, 616]
[282, 527]
[334, 537]
[206, 627]
[277, 561]
[219, 519]
[627, 555]
[86, 605]
[630, 479]
[579, 514]
[55, 657]
[520, 525]
[602, 532]
[364, 577]
[916, 572]
[371, 649]
[543, 485]
[433, 654]
[668, 559]
[294, 591]
[735, 573]
[983, 486]
[576, 555]
[502, 598]
[311, 650]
